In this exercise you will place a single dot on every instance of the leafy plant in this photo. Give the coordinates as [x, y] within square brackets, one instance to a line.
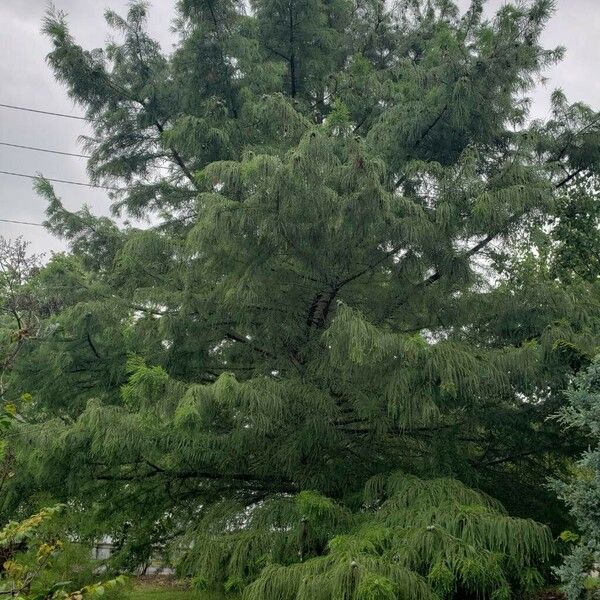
[28, 571]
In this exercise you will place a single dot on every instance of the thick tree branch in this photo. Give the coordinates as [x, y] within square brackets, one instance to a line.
[236, 337]
[91, 345]
[272, 483]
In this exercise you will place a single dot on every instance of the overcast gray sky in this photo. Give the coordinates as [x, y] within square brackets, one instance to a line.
[27, 81]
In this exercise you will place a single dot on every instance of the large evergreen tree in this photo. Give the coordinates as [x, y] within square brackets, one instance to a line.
[345, 315]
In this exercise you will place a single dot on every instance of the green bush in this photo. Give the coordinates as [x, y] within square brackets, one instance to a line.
[40, 565]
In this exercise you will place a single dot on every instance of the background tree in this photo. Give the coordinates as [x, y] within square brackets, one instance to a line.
[337, 323]
[572, 129]
[19, 308]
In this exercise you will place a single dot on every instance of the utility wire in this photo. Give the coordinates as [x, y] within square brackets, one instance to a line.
[49, 151]
[67, 181]
[21, 222]
[44, 150]
[61, 152]
[54, 114]
[44, 112]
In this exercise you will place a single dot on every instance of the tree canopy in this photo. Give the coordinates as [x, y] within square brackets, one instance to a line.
[354, 304]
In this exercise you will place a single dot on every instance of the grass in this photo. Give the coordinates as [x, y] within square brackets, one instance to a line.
[168, 594]
[171, 594]
[147, 591]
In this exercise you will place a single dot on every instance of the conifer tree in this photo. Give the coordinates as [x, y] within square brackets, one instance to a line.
[582, 491]
[335, 343]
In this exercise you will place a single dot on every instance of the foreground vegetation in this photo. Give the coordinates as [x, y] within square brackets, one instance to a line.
[331, 364]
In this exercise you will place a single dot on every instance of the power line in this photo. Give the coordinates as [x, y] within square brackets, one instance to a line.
[49, 151]
[44, 112]
[61, 152]
[44, 150]
[21, 222]
[67, 181]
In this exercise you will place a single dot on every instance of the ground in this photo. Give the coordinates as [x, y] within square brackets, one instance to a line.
[171, 594]
[166, 590]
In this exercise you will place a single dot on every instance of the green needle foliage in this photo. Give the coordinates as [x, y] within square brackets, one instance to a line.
[581, 492]
[350, 308]
[417, 539]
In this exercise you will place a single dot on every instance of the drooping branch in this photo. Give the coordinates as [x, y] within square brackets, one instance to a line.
[422, 138]
[484, 242]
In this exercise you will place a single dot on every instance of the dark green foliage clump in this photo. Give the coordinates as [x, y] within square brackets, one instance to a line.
[417, 539]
